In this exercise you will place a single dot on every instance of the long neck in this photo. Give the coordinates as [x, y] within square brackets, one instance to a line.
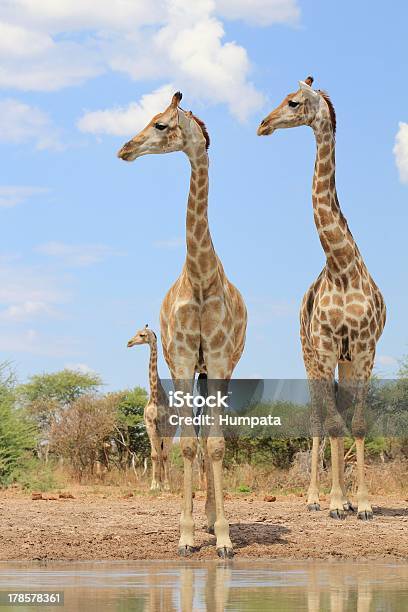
[201, 260]
[154, 380]
[335, 237]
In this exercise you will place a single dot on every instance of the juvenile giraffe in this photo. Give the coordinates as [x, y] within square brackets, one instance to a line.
[203, 316]
[156, 413]
[343, 313]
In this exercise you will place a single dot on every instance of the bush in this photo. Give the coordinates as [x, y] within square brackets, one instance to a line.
[80, 431]
[17, 435]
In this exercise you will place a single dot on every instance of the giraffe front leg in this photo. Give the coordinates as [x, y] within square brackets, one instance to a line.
[217, 383]
[210, 509]
[313, 493]
[166, 446]
[155, 455]
[347, 505]
[336, 494]
[216, 451]
[188, 447]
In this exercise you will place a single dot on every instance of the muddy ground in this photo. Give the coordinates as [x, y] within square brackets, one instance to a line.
[95, 527]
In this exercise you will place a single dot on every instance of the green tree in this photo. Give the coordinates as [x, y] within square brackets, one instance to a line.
[17, 436]
[132, 440]
[46, 394]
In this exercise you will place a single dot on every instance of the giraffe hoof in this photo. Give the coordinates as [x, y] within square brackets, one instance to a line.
[186, 551]
[210, 529]
[225, 552]
[315, 507]
[366, 515]
[337, 514]
[348, 507]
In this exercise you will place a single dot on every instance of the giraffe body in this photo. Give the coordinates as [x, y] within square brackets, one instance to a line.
[343, 313]
[203, 316]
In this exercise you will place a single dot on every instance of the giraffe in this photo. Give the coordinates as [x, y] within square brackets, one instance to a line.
[203, 316]
[343, 313]
[156, 412]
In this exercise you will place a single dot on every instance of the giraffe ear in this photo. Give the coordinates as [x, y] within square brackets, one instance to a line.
[176, 99]
[307, 90]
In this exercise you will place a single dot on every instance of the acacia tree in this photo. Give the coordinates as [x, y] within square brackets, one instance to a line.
[46, 395]
[82, 429]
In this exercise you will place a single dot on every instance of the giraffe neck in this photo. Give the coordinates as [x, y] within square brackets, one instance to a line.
[153, 373]
[334, 234]
[201, 260]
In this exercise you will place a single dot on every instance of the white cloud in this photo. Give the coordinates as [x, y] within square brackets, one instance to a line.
[124, 121]
[401, 151]
[77, 254]
[260, 12]
[74, 15]
[47, 44]
[26, 310]
[171, 243]
[33, 342]
[80, 367]
[11, 195]
[21, 123]
[27, 293]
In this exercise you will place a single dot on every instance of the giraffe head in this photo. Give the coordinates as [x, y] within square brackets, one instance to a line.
[143, 336]
[300, 108]
[172, 130]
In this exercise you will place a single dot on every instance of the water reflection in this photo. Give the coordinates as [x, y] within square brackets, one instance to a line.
[216, 586]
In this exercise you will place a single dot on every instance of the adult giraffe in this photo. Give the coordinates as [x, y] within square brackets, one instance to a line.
[203, 316]
[343, 313]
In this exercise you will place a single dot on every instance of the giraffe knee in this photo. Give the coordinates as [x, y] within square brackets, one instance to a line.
[216, 448]
[188, 448]
[359, 427]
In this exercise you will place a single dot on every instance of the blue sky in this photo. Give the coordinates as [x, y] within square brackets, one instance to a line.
[90, 244]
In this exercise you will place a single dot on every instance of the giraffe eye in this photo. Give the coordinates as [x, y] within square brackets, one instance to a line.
[293, 104]
[160, 126]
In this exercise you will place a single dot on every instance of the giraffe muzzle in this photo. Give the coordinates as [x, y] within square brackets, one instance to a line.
[264, 129]
[127, 152]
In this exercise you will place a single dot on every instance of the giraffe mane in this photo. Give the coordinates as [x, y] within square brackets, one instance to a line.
[332, 112]
[201, 124]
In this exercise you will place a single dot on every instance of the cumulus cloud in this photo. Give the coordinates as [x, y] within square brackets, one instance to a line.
[122, 121]
[11, 195]
[260, 12]
[21, 123]
[46, 45]
[401, 151]
[83, 368]
[80, 255]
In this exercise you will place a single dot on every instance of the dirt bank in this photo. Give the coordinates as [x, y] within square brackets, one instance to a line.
[93, 526]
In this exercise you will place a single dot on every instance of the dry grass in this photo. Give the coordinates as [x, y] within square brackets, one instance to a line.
[385, 478]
